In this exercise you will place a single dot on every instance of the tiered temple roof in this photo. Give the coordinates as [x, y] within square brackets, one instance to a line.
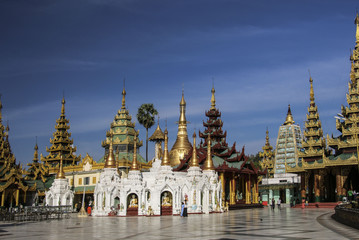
[61, 144]
[267, 157]
[122, 131]
[225, 158]
[11, 179]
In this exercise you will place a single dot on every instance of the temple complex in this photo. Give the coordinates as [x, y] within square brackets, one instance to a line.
[182, 146]
[238, 175]
[327, 177]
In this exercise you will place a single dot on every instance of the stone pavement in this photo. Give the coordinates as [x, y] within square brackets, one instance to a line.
[237, 224]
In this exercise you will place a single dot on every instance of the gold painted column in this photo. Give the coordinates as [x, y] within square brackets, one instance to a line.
[338, 178]
[3, 198]
[223, 187]
[248, 190]
[302, 188]
[316, 186]
[17, 197]
[255, 192]
[232, 191]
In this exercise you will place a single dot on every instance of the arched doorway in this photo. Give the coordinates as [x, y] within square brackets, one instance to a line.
[132, 205]
[166, 203]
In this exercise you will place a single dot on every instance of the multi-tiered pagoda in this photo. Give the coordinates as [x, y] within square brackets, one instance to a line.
[267, 156]
[239, 176]
[13, 189]
[122, 134]
[62, 145]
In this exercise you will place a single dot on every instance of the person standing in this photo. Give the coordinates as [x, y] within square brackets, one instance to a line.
[182, 209]
[185, 209]
[279, 202]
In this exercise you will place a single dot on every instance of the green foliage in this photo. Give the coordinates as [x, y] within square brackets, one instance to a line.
[256, 159]
[146, 115]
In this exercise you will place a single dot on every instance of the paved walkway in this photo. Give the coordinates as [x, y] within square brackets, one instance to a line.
[239, 224]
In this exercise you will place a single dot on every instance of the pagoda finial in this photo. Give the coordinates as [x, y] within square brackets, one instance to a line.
[356, 21]
[36, 155]
[134, 161]
[0, 110]
[289, 119]
[267, 138]
[110, 161]
[311, 89]
[63, 106]
[182, 119]
[165, 159]
[213, 99]
[194, 162]
[123, 96]
[61, 174]
[208, 165]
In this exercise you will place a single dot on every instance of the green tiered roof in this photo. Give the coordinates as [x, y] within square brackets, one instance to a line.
[61, 143]
[313, 143]
[123, 133]
[267, 157]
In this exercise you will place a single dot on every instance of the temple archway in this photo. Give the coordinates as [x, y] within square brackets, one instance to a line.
[132, 205]
[166, 203]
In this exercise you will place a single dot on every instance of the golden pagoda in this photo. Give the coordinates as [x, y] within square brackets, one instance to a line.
[37, 171]
[267, 156]
[62, 145]
[313, 143]
[182, 145]
[13, 189]
[123, 137]
[165, 160]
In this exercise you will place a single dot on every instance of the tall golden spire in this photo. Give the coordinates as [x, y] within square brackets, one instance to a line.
[267, 138]
[213, 99]
[123, 96]
[110, 161]
[63, 106]
[289, 119]
[36, 155]
[134, 165]
[0, 110]
[311, 91]
[182, 145]
[208, 165]
[194, 162]
[165, 160]
[61, 174]
[356, 21]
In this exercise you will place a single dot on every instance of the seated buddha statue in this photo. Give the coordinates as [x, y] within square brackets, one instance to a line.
[166, 201]
[133, 201]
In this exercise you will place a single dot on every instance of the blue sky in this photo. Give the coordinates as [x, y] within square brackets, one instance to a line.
[257, 52]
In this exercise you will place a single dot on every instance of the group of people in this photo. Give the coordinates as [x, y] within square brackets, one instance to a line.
[279, 201]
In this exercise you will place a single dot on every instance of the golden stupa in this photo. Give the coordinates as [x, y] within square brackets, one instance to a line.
[182, 146]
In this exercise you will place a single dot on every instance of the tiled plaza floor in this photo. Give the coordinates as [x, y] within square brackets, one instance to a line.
[239, 224]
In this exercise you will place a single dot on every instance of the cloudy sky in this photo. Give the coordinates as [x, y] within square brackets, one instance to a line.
[257, 52]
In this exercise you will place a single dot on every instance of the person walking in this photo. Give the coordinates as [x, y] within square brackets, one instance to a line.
[273, 203]
[279, 202]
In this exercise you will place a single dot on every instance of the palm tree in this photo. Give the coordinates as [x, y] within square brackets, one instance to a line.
[146, 117]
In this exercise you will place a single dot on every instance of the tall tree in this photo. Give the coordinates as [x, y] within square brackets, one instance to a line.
[146, 117]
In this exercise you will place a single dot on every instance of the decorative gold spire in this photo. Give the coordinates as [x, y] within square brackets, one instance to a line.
[158, 135]
[0, 110]
[61, 174]
[311, 91]
[123, 97]
[182, 145]
[267, 139]
[208, 165]
[63, 106]
[267, 156]
[194, 162]
[36, 155]
[110, 161]
[213, 100]
[356, 21]
[289, 119]
[165, 160]
[134, 165]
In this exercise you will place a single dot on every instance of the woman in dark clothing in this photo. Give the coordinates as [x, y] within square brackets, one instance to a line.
[185, 209]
